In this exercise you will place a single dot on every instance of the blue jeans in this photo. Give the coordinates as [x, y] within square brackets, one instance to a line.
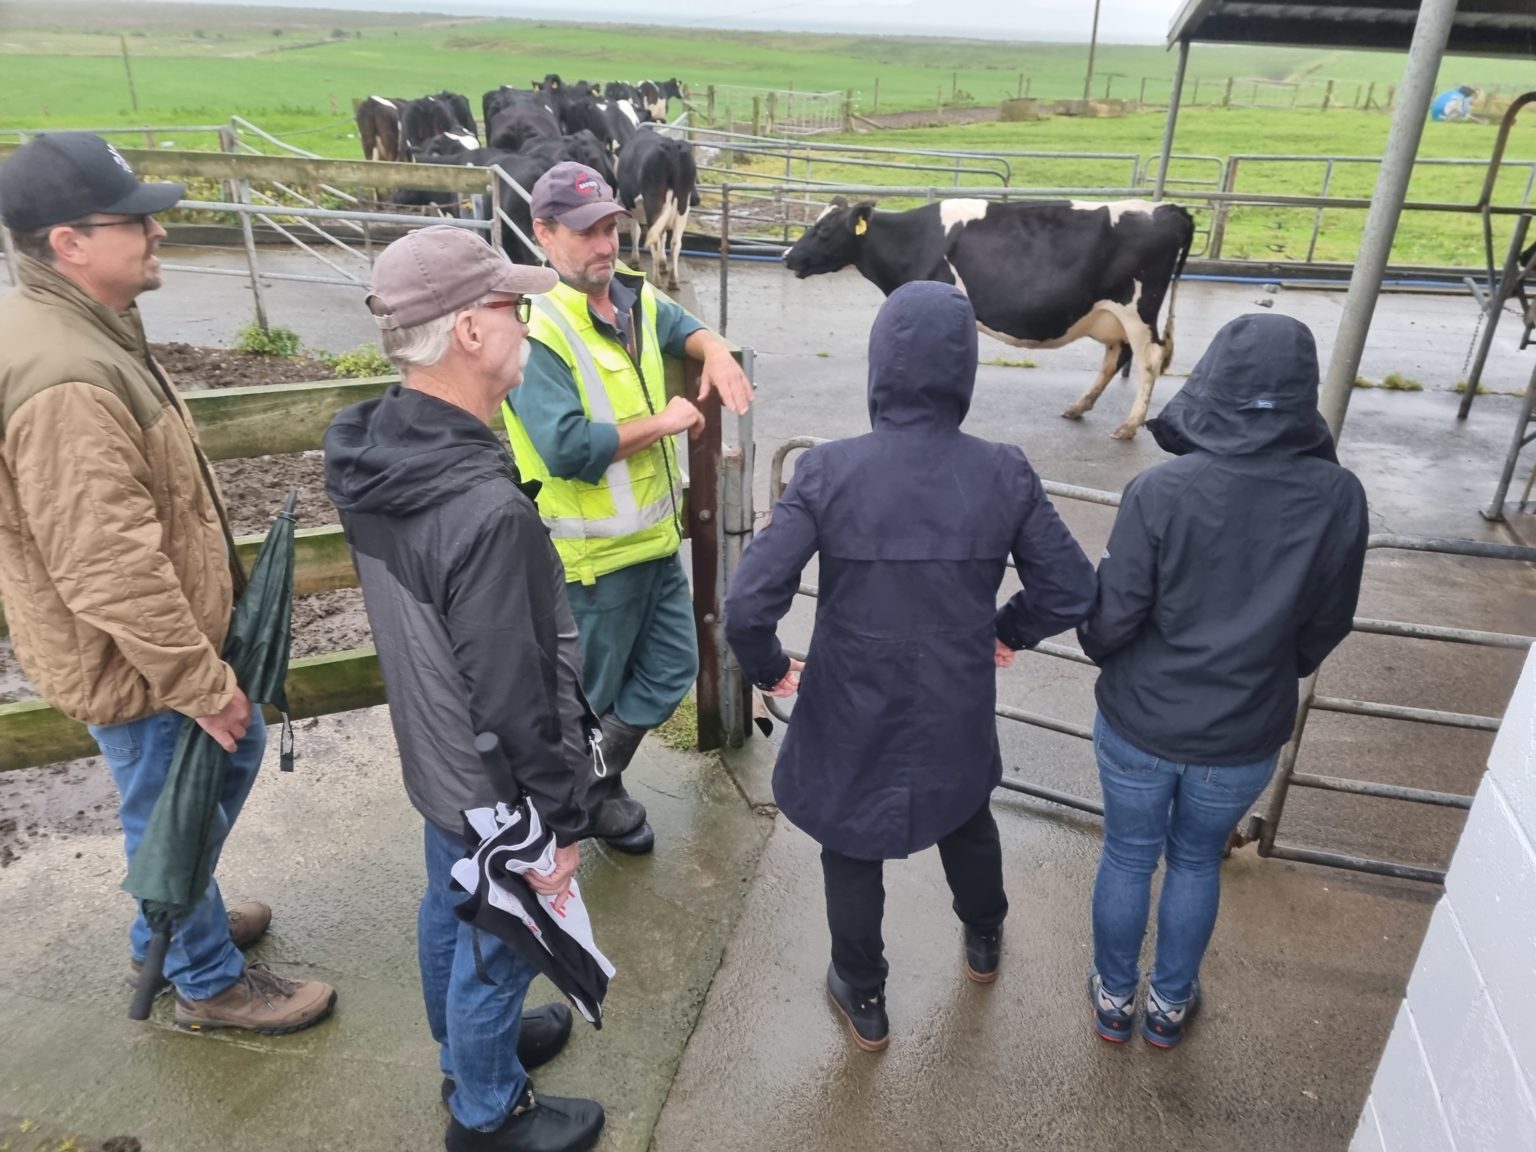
[1152, 806]
[474, 1023]
[203, 961]
[639, 643]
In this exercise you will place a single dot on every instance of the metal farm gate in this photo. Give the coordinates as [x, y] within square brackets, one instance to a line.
[1263, 828]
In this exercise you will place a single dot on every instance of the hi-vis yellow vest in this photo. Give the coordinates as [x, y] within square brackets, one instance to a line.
[631, 514]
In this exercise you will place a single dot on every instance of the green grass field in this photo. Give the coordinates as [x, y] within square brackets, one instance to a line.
[296, 73]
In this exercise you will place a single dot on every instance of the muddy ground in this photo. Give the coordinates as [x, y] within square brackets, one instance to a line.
[74, 799]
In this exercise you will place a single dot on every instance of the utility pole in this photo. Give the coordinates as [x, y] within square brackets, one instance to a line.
[1093, 43]
[128, 68]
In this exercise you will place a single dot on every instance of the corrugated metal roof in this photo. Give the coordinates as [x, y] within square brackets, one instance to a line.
[1482, 27]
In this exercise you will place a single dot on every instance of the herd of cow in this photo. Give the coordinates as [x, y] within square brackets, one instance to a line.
[530, 130]
[1039, 274]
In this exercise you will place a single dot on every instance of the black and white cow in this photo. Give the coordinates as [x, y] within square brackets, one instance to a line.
[654, 95]
[518, 117]
[659, 176]
[378, 127]
[618, 90]
[1039, 275]
[582, 147]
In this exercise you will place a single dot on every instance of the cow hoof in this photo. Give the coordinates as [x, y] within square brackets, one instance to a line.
[1124, 432]
[1073, 413]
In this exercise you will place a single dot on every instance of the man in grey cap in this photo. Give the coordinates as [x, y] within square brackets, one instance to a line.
[117, 566]
[466, 600]
[592, 423]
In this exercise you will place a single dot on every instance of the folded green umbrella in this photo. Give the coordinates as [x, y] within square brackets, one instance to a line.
[174, 862]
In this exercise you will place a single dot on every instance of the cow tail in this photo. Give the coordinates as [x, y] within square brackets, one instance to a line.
[1173, 295]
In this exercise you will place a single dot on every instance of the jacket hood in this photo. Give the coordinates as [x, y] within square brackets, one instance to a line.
[1254, 391]
[922, 358]
[406, 452]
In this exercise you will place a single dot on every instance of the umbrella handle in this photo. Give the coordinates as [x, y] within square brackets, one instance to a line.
[152, 974]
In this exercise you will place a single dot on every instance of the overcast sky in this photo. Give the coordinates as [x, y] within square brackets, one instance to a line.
[1121, 21]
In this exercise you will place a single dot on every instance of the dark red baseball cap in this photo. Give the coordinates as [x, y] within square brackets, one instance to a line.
[574, 195]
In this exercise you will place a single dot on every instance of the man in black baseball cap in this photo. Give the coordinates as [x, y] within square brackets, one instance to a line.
[71, 201]
[117, 566]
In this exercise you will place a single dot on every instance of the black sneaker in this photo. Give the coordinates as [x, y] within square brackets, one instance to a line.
[983, 951]
[540, 1037]
[538, 1124]
[1162, 1023]
[865, 1012]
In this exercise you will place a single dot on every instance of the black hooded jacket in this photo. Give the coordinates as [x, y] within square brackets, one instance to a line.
[894, 743]
[1235, 569]
[466, 599]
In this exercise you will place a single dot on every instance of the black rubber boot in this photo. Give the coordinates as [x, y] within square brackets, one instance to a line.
[618, 818]
[864, 1011]
[538, 1124]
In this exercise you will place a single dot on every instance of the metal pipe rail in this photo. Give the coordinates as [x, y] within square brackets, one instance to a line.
[1263, 828]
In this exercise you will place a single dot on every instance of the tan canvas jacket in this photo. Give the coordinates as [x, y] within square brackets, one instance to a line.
[114, 567]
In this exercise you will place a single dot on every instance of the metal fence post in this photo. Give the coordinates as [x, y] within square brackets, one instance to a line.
[736, 525]
[1219, 224]
[704, 455]
[725, 256]
[1317, 217]
[242, 190]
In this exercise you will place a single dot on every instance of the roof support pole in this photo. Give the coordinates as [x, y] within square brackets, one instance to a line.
[1173, 118]
[1430, 34]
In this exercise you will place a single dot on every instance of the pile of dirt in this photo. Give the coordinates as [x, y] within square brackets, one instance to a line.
[191, 367]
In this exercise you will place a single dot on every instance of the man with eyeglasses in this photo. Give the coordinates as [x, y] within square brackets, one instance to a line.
[593, 424]
[466, 600]
[117, 566]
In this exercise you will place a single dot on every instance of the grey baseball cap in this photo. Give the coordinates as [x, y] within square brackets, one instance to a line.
[61, 176]
[436, 271]
[574, 195]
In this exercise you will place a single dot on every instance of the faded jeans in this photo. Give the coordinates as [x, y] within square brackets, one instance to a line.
[203, 961]
[474, 1023]
[1153, 807]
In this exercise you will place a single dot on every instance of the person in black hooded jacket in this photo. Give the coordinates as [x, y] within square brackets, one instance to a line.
[1230, 573]
[894, 743]
[466, 600]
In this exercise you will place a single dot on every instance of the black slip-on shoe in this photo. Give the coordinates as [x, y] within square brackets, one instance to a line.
[538, 1124]
[983, 951]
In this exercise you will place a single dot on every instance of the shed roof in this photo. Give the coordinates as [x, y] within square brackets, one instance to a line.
[1482, 27]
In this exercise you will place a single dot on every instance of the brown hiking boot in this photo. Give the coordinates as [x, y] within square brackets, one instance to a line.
[260, 1001]
[248, 923]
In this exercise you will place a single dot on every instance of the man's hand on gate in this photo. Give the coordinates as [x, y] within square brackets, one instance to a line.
[791, 682]
[682, 415]
[558, 882]
[721, 373]
[229, 723]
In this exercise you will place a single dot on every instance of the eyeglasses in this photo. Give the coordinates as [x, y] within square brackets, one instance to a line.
[139, 222]
[523, 304]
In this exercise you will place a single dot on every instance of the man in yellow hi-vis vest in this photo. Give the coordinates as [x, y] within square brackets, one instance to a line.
[592, 423]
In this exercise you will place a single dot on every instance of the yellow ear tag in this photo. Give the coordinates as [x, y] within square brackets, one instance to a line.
[861, 227]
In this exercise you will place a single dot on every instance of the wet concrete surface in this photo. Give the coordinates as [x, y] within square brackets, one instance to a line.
[337, 851]
[1304, 974]
[1302, 980]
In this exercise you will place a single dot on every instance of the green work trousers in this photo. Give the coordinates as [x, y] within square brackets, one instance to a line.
[639, 650]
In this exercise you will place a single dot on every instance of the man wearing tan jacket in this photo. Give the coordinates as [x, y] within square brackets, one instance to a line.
[116, 559]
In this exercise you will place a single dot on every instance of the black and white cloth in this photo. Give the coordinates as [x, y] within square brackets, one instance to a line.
[510, 841]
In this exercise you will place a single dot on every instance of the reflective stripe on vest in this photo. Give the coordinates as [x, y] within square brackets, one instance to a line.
[628, 517]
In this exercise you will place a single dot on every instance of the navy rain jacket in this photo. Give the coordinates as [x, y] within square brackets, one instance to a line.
[1233, 570]
[894, 740]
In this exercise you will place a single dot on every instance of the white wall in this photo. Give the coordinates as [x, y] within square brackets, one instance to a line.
[1459, 1070]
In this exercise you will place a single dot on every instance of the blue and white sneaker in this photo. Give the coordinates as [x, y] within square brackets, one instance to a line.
[1113, 1016]
[1162, 1023]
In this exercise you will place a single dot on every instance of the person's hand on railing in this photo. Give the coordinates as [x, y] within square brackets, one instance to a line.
[791, 682]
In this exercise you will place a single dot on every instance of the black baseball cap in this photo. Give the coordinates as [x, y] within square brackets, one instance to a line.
[574, 195]
[61, 176]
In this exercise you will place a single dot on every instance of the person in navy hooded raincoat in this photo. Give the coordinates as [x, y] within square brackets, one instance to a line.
[893, 747]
